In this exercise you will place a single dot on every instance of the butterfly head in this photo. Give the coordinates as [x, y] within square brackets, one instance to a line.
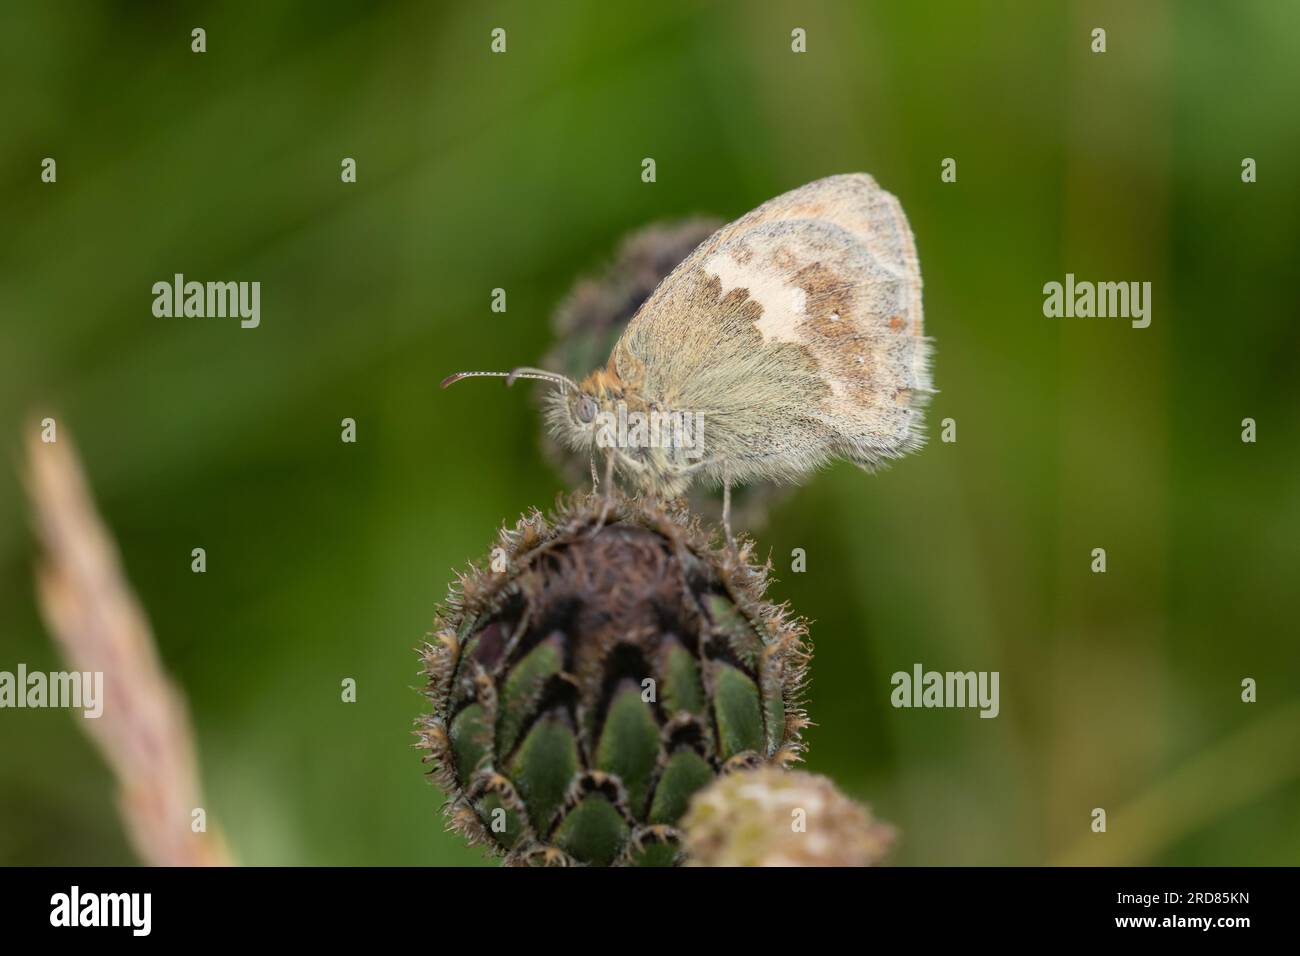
[604, 417]
[578, 415]
[575, 410]
[610, 418]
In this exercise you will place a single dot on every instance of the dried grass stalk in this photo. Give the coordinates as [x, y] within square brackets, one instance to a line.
[144, 733]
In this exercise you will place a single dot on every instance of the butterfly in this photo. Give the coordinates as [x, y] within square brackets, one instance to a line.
[788, 339]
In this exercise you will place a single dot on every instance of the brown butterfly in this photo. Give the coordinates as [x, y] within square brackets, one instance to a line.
[788, 339]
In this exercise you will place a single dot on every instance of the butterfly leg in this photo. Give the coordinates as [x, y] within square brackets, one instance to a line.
[726, 511]
[607, 498]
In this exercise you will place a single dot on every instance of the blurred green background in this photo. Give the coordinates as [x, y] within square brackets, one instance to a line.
[520, 171]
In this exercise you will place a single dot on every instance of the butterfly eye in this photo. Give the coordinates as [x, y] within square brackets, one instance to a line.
[586, 410]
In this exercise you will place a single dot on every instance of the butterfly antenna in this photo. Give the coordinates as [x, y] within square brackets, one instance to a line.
[537, 373]
[540, 373]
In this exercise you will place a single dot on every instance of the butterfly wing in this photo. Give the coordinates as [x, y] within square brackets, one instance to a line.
[796, 331]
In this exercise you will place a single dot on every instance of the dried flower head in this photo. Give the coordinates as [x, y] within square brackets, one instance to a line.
[773, 817]
[587, 680]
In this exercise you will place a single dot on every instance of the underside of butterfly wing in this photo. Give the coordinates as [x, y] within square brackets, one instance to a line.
[796, 332]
